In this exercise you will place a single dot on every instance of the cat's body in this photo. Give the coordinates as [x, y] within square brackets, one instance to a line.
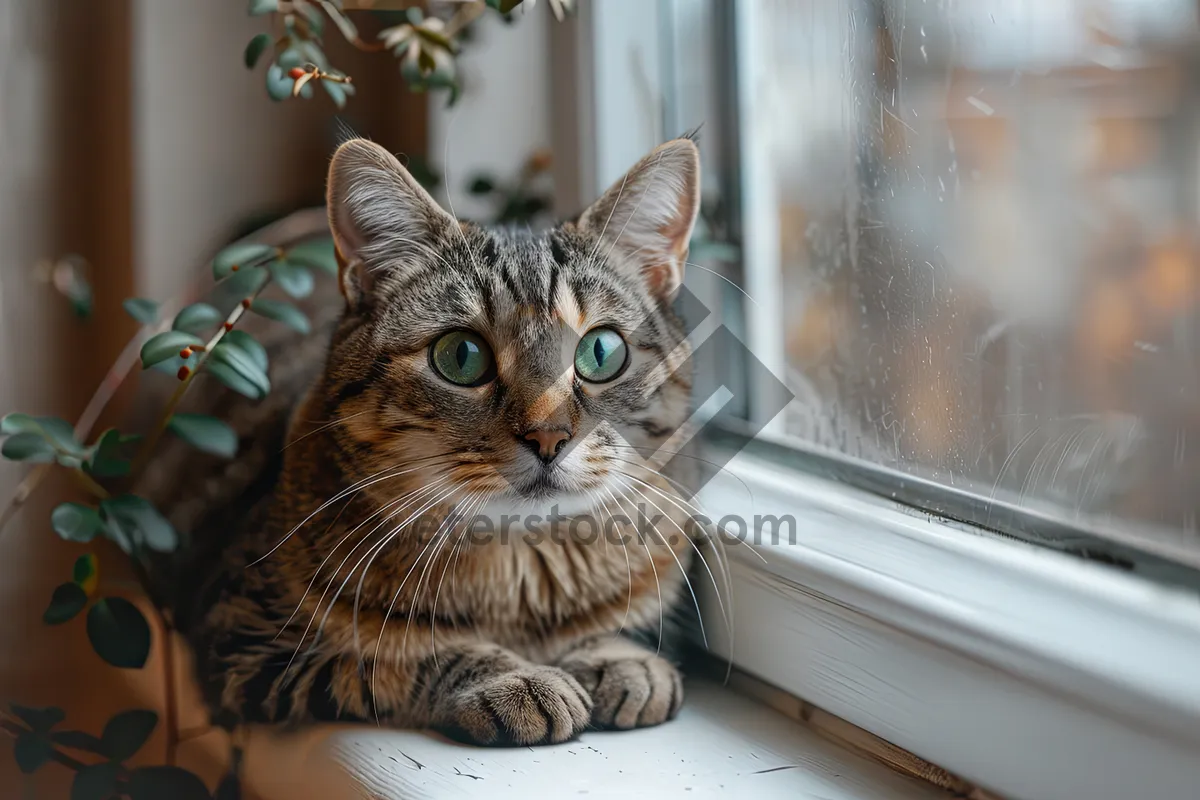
[342, 579]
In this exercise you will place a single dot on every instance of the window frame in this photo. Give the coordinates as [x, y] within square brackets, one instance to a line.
[900, 606]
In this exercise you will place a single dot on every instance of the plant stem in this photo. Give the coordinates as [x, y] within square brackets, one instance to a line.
[168, 411]
[464, 17]
[24, 490]
[89, 484]
[294, 228]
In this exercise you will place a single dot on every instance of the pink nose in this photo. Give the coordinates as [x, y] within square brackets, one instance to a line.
[547, 442]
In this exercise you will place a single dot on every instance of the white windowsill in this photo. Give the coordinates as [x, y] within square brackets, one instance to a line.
[1029, 672]
[722, 745]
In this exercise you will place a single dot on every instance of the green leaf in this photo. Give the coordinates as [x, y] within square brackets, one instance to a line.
[60, 433]
[317, 254]
[84, 570]
[95, 782]
[125, 733]
[482, 185]
[78, 740]
[196, 318]
[239, 256]
[108, 457]
[31, 751]
[259, 7]
[66, 602]
[249, 345]
[244, 283]
[504, 6]
[119, 633]
[279, 85]
[205, 433]
[336, 91]
[19, 423]
[279, 311]
[164, 345]
[28, 447]
[131, 520]
[75, 522]
[295, 279]
[156, 783]
[41, 720]
[234, 380]
[230, 358]
[142, 310]
[289, 59]
[255, 49]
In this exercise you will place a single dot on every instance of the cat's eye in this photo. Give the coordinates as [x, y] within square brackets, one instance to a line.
[601, 355]
[463, 358]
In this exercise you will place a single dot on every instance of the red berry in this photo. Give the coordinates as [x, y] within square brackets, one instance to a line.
[234, 268]
[295, 73]
[183, 373]
[185, 352]
[246, 303]
[228, 326]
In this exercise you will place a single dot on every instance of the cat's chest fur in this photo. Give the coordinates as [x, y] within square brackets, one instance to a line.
[505, 571]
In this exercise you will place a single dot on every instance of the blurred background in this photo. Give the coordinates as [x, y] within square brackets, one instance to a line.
[983, 237]
[965, 234]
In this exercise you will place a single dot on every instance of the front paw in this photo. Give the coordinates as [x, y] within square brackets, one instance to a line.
[630, 692]
[527, 706]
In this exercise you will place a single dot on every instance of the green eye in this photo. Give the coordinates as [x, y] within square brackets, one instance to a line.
[601, 355]
[463, 358]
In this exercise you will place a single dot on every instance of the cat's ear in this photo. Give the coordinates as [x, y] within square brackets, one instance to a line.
[645, 220]
[382, 219]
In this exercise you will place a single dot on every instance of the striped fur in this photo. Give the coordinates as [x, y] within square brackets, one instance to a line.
[336, 578]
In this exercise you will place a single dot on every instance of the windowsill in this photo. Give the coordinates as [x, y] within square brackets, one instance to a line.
[722, 744]
[988, 657]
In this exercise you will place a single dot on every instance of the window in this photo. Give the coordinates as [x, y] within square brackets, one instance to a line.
[968, 233]
[971, 238]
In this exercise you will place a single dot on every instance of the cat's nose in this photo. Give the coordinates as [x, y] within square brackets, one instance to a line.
[547, 442]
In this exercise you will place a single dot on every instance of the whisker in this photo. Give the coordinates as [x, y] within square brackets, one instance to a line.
[722, 277]
[448, 523]
[352, 489]
[628, 566]
[703, 560]
[658, 588]
[713, 464]
[375, 551]
[326, 426]
[342, 541]
[475, 501]
[321, 600]
[678, 563]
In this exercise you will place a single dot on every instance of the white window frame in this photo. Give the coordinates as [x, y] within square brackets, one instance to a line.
[1029, 672]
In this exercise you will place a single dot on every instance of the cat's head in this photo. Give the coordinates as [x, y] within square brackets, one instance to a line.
[475, 363]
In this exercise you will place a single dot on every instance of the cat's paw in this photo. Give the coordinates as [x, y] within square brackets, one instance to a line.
[530, 705]
[630, 692]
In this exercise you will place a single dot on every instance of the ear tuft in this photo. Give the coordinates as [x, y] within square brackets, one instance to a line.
[381, 218]
[646, 218]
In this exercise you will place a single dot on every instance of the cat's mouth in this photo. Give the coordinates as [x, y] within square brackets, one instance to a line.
[544, 485]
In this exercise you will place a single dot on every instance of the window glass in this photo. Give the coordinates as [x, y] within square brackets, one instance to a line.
[981, 244]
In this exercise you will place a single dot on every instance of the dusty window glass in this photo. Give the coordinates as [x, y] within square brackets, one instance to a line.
[984, 223]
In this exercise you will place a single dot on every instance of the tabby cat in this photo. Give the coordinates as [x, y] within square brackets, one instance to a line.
[465, 371]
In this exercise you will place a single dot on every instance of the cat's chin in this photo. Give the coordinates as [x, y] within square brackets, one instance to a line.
[542, 500]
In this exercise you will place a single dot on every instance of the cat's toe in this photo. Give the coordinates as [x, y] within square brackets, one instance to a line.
[535, 705]
[634, 693]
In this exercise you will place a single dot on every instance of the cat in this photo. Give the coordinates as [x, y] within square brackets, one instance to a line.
[462, 370]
